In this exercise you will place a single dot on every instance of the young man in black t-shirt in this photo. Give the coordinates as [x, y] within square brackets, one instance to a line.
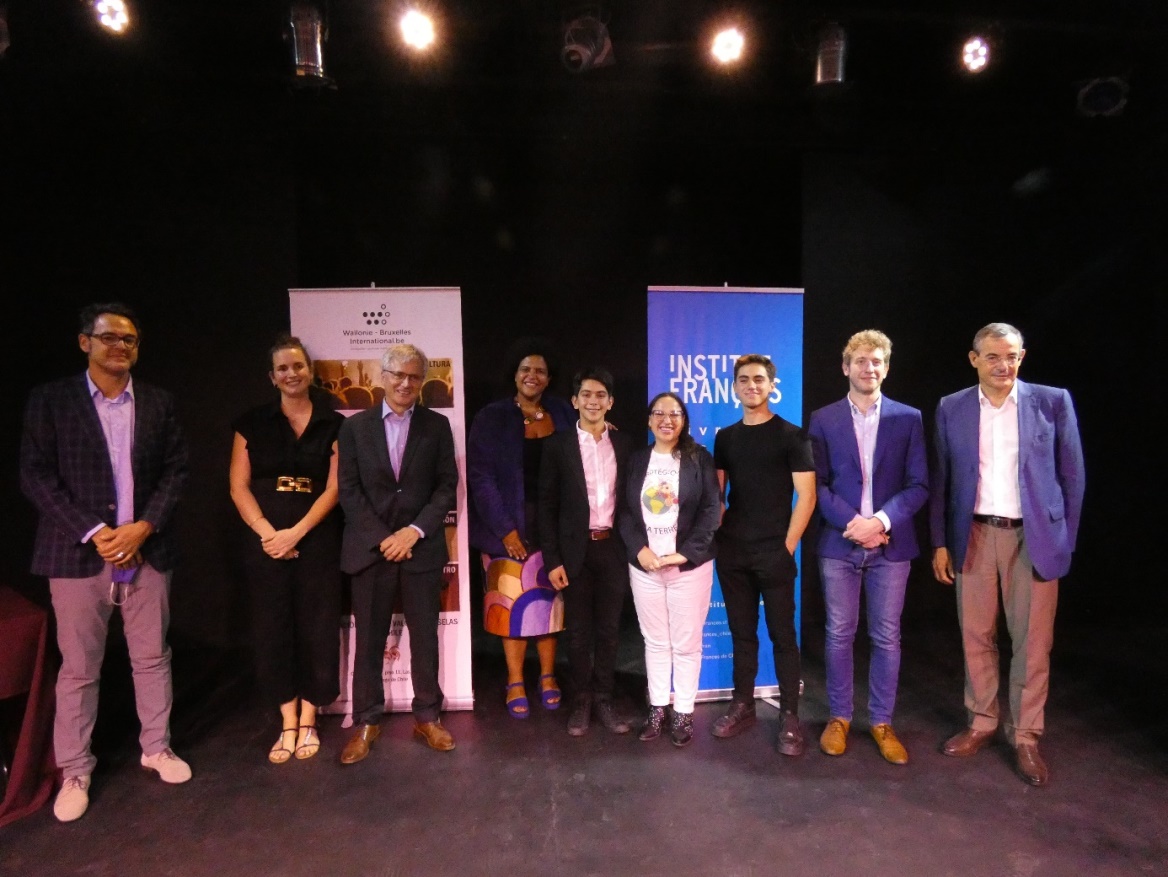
[766, 462]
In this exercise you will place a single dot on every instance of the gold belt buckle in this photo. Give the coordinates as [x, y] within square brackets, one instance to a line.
[288, 484]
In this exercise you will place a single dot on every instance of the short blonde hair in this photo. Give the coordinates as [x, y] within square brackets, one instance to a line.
[869, 339]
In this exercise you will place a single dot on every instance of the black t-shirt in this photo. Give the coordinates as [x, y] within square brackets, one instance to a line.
[758, 461]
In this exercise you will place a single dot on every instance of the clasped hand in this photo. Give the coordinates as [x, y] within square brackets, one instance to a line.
[398, 546]
[121, 545]
[866, 532]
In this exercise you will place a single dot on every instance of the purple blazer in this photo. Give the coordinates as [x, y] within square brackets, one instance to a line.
[494, 469]
[65, 471]
[900, 480]
[1050, 475]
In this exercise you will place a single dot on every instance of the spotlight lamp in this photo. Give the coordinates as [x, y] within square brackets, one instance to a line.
[586, 43]
[975, 53]
[417, 30]
[306, 31]
[112, 15]
[1103, 96]
[728, 45]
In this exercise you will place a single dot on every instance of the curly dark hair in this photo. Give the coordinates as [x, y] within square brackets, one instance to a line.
[522, 348]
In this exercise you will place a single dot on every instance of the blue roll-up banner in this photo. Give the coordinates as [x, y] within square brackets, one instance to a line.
[695, 335]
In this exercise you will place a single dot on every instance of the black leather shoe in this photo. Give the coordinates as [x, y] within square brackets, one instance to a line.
[608, 716]
[653, 724]
[738, 718]
[578, 720]
[681, 733]
[790, 735]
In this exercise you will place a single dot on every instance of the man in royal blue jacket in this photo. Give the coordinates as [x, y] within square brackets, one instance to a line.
[871, 472]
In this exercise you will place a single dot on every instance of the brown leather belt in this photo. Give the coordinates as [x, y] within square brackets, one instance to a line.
[288, 484]
[598, 535]
[1000, 523]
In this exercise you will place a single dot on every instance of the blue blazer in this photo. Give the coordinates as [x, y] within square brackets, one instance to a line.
[65, 471]
[900, 478]
[699, 507]
[494, 469]
[1050, 475]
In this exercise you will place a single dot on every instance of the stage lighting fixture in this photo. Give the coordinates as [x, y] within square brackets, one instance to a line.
[306, 33]
[831, 54]
[417, 30]
[728, 45]
[586, 44]
[112, 15]
[975, 54]
[1105, 96]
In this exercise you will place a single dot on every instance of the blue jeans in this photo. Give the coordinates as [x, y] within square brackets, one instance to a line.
[883, 582]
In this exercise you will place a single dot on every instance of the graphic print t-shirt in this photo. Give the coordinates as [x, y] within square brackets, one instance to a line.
[659, 502]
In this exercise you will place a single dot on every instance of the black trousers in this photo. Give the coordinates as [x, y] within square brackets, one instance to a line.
[374, 592]
[593, 602]
[746, 576]
[296, 614]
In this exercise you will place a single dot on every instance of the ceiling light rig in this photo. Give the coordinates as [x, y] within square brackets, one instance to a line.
[975, 54]
[306, 31]
[587, 44]
[112, 15]
[417, 30]
[728, 46]
[831, 54]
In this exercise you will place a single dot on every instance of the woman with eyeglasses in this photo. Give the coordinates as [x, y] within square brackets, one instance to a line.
[284, 485]
[671, 510]
[502, 460]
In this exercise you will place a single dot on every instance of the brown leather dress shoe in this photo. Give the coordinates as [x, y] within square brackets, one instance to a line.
[435, 735]
[1030, 765]
[966, 743]
[738, 718]
[834, 739]
[890, 747]
[358, 746]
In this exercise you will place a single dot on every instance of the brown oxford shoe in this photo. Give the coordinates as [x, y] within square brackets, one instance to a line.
[890, 747]
[966, 743]
[435, 735]
[358, 746]
[1030, 765]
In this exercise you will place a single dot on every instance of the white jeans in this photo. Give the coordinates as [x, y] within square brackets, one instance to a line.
[671, 608]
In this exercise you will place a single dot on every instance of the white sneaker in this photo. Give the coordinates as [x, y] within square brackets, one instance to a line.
[73, 799]
[170, 767]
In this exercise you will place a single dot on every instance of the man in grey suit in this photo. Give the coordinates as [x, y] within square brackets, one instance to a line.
[1004, 515]
[104, 461]
[397, 478]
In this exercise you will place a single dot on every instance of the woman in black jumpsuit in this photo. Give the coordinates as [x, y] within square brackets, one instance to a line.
[284, 484]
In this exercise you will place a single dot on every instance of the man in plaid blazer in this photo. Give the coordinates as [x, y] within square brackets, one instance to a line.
[103, 460]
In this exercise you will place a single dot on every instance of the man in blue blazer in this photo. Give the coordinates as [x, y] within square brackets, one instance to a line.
[1004, 516]
[397, 477]
[104, 461]
[871, 471]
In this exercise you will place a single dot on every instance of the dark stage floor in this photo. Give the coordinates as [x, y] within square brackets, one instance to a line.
[522, 798]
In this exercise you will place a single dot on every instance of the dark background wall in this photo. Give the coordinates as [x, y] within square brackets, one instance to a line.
[178, 171]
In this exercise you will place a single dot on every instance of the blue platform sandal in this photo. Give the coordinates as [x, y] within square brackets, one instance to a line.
[549, 696]
[518, 706]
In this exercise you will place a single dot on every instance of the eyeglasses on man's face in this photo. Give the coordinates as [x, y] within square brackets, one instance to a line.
[112, 339]
[407, 377]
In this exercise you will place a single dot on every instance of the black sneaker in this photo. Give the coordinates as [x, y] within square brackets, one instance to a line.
[578, 720]
[790, 735]
[682, 731]
[653, 724]
[608, 716]
[738, 718]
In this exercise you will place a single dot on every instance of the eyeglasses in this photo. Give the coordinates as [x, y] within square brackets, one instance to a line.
[398, 377]
[111, 339]
[662, 415]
